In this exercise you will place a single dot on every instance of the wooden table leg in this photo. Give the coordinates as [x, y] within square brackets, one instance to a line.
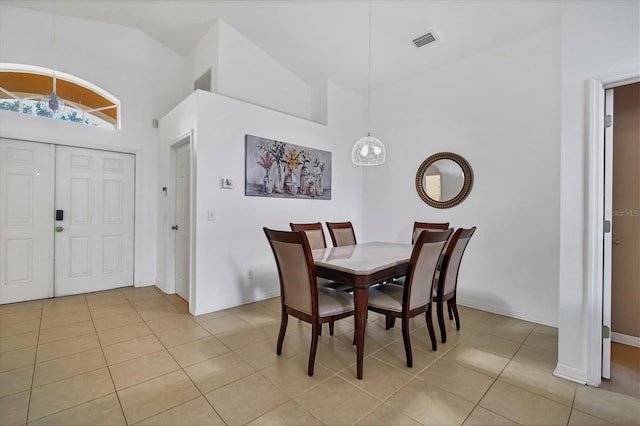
[361, 305]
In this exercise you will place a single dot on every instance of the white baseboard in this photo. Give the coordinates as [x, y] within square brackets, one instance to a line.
[570, 373]
[161, 289]
[625, 339]
[471, 302]
[145, 283]
[270, 295]
[263, 296]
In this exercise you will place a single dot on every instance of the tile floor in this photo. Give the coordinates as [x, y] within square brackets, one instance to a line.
[135, 356]
[625, 370]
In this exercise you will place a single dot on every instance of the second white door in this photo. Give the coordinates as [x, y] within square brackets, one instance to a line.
[182, 227]
[94, 238]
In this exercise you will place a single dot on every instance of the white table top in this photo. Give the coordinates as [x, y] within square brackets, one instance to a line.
[364, 258]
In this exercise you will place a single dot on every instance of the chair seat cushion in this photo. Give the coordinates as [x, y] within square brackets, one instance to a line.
[386, 296]
[333, 302]
[323, 282]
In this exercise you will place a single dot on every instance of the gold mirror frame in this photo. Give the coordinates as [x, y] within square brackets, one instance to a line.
[466, 187]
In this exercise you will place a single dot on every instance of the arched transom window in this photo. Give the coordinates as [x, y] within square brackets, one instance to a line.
[47, 93]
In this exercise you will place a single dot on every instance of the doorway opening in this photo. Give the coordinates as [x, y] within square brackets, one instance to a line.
[622, 248]
[598, 226]
[181, 197]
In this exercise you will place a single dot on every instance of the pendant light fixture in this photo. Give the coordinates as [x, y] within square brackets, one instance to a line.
[369, 150]
[51, 101]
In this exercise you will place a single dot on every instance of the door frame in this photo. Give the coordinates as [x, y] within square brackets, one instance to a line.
[187, 138]
[593, 256]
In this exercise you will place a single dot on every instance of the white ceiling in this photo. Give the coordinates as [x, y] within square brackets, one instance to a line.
[319, 39]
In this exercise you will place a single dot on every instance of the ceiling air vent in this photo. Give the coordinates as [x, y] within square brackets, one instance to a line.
[425, 39]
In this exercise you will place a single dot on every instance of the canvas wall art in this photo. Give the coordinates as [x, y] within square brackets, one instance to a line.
[284, 170]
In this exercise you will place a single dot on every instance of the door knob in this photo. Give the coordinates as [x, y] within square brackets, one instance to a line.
[59, 229]
[616, 242]
[174, 227]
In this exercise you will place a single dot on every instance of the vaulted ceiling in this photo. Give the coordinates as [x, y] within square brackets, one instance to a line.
[320, 39]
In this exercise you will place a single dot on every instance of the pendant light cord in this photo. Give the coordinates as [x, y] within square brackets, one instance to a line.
[369, 100]
[54, 22]
[54, 44]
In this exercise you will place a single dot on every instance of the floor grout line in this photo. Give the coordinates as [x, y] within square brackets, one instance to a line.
[181, 368]
[115, 390]
[497, 377]
[33, 373]
[255, 326]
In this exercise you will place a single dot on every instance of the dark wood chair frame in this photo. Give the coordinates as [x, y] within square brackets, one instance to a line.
[405, 314]
[317, 226]
[445, 269]
[340, 225]
[428, 225]
[440, 226]
[316, 321]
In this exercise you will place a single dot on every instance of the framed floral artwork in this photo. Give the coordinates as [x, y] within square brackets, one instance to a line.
[284, 170]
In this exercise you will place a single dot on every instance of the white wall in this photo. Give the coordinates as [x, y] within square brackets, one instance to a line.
[319, 102]
[599, 39]
[233, 244]
[241, 70]
[147, 78]
[498, 109]
[246, 72]
[204, 56]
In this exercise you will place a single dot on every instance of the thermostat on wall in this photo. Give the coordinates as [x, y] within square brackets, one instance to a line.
[226, 183]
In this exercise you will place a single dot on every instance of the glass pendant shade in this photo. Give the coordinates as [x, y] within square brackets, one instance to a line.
[368, 151]
[53, 103]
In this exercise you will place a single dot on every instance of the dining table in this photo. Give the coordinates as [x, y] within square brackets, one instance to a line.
[361, 266]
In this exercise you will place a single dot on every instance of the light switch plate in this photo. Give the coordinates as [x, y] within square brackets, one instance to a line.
[226, 183]
[211, 215]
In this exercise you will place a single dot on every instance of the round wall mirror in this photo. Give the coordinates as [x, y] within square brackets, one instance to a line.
[444, 180]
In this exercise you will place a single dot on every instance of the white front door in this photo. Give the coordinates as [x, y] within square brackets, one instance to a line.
[182, 227]
[94, 240]
[26, 220]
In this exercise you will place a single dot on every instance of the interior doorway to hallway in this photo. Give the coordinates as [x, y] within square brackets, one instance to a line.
[597, 227]
[180, 254]
[621, 283]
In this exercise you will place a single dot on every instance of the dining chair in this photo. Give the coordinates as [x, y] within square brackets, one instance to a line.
[342, 233]
[314, 232]
[447, 282]
[418, 227]
[415, 297]
[315, 236]
[300, 294]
